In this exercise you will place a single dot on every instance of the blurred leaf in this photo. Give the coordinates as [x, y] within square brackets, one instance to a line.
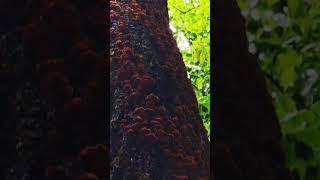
[293, 7]
[286, 64]
[284, 104]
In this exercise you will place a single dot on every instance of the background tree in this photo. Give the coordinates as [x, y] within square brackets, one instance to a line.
[247, 135]
[156, 131]
[53, 73]
[283, 35]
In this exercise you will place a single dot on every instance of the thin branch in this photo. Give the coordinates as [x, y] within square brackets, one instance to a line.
[185, 12]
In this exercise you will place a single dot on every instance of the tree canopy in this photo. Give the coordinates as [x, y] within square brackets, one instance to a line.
[190, 24]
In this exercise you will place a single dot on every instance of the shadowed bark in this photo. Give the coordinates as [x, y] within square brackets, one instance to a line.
[10, 54]
[247, 135]
[57, 106]
[155, 129]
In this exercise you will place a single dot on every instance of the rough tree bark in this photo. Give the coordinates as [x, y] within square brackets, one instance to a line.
[247, 135]
[56, 106]
[156, 132]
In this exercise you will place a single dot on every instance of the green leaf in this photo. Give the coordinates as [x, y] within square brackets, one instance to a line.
[293, 7]
[298, 123]
[284, 105]
[286, 65]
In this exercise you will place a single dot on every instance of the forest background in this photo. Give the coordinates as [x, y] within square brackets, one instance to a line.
[284, 36]
[190, 24]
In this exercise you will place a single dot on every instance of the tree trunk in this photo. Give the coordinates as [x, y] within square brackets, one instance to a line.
[155, 129]
[58, 113]
[247, 135]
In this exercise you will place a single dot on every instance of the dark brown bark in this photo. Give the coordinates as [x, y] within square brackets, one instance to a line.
[156, 132]
[57, 104]
[247, 135]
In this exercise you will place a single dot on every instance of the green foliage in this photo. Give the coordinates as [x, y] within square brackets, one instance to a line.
[284, 35]
[190, 23]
